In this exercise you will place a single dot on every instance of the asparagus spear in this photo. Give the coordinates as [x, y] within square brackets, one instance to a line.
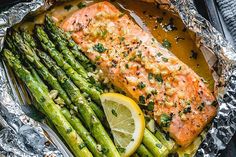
[88, 115]
[76, 51]
[143, 152]
[85, 135]
[68, 56]
[154, 145]
[31, 56]
[168, 142]
[75, 122]
[29, 39]
[82, 83]
[49, 107]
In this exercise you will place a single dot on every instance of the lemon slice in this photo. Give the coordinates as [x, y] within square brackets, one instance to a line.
[126, 121]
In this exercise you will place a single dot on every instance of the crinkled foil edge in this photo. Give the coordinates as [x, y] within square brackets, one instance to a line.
[19, 134]
[221, 58]
[219, 54]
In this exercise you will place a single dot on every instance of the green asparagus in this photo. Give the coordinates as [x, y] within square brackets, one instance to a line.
[154, 145]
[85, 135]
[31, 56]
[88, 115]
[143, 152]
[168, 142]
[49, 107]
[75, 122]
[82, 83]
[55, 85]
[68, 56]
[51, 26]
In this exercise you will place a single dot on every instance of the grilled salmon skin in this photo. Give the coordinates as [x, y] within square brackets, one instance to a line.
[135, 62]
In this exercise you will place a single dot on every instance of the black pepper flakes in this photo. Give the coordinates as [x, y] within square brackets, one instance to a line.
[201, 106]
[187, 110]
[193, 54]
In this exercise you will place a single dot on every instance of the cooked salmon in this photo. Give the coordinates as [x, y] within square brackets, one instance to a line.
[135, 62]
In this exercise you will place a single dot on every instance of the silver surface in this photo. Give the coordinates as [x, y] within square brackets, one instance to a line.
[221, 58]
[19, 134]
[219, 54]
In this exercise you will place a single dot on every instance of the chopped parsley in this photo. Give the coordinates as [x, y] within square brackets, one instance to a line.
[139, 53]
[159, 78]
[159, 54]
[81, 5]
[99, 48]
[186, 155]
[82, 145]
[114, 112]
[164, 59]
[165, 120]
[121, 39]
[127, 66]
[120, 149]
[159, 19]
[68, 130]
[68, 7]
[104, 150]
[187, 110]
[214, 103]
[166, 43]
[150, 76]
[150, 106]
[142, 99]
[141, 85]
[159, 145]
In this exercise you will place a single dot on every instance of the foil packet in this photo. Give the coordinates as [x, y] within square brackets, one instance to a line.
[29, 137]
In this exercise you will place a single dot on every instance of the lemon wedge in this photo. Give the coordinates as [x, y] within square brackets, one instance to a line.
[126, 121]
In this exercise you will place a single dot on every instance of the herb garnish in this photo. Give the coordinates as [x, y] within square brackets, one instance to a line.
[68, 7]
[114, 112]
[150, 106]
[99, 48]
[82, 145]
[159, 145]
[120, 149]
[81, 5]
[164, 59]
[150, 76]
[141, 85]
[214, 103]
[159, 78]
[187, 110]
[165, 120]
[159, 54]
[68, 130]
[142, 99]
[166, 43]
[159, 19]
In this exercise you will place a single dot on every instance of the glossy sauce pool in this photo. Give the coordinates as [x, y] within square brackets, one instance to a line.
[167, 28]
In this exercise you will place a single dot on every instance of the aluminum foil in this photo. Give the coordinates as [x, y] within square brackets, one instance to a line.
[219, 54]
[221, 58]
[19, 134]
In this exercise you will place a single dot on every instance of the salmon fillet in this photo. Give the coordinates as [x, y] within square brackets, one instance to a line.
[135, 62]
